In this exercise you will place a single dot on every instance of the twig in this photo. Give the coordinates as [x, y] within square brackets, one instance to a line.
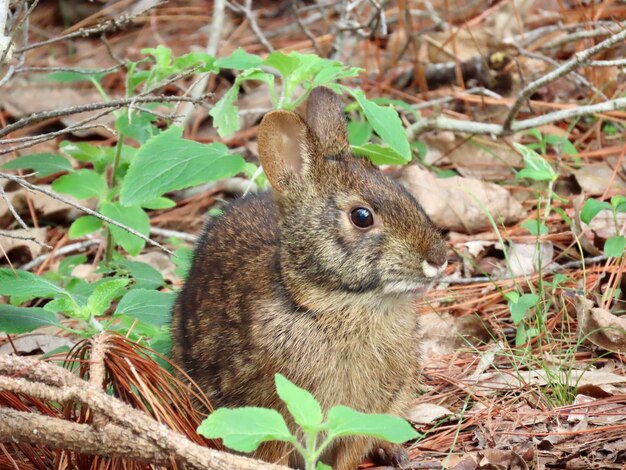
[60, 252]
[547, 270]
[303, 27]
[14, 213]
[188, 237]
[246, 10]
[157, 437]
[6, 234]
[26, 184]
[198, 88]
[37, 117]
[579, 59]
[472, 127]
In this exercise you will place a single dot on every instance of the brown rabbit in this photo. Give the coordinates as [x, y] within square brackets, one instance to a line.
[317, 280]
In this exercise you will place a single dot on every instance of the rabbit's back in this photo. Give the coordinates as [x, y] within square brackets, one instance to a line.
[233, 266]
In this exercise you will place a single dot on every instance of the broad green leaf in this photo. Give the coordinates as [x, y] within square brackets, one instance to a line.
[225, 114]
[131, 216]
[334, 72]
[591, 208]
[65, 305]
[619, 203]
[535, 227]
[137, 125]
[149, 306]
[344, 421]
[240, 60]
[67, 265]
[84, 225]
[81, 184]
[285, 64]
[83, 151]
[103, 295]
[561, 142]
[43, 163]
[303, 407]
[15, 320]
[323, 466]
[614, 246]
[359, 132]
[27, 285]
[195, 59]
[168, 162]
[378, 154]
[386, 123]
[244, 429]
[519, 307]
[182, 258]
[158, 203]
[535, 166]
[145, 276]
[71, 76]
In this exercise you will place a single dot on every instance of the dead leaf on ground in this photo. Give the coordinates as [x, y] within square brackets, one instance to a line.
[427, 413]
[443, 334]
[603, 224]
[459, 203]
[527, 258]
[594, 178]
[161, 262]
[29, 343]
[22, 250]
[476, 158]
[488, 459]
[600, 327]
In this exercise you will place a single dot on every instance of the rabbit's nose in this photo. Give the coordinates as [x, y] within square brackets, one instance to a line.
[437, 258]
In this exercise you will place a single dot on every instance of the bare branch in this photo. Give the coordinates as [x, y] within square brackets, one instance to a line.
[579, 59]
[69, 202]
[60, 252]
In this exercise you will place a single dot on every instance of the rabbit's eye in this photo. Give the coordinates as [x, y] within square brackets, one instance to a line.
[362, 217]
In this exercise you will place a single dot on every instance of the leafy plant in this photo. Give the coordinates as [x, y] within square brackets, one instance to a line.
[613, 246]
[244, 429]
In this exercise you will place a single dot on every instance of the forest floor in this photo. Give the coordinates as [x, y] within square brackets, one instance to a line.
[525, 337]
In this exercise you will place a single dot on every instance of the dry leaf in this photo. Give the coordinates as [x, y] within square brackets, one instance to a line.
[443, 334]
[595, 178]
[427, 413]
[603, 224]
[501, 459]
[31, 342]
[23, 250]
[477, 158]
[600, 327]
[526, 258]
[460, 203]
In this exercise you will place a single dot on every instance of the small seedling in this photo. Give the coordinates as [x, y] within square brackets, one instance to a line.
[244, 429]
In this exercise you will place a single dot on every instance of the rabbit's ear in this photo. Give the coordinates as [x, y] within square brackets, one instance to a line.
[325, 117]
[284, 143]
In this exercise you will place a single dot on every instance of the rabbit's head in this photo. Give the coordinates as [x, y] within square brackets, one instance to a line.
[346, 229]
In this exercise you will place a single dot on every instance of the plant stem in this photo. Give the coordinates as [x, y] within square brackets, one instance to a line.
[108, 251]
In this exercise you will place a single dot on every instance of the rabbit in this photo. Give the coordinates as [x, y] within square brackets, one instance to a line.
[316, 279]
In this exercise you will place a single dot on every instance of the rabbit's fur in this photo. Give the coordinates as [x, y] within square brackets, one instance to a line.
[285, 282]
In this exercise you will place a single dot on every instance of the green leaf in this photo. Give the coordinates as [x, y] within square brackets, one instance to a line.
[27, 285]
[103, 295]
[303, 407]
[158, 203]
[81, 184]
[614, 246]
[591, 208]
[519, 307]
[15, 320]
[137, 125]
[168, 162]
[43, 163]
[225, 114]
[323, 466]
[182, 258]
[240, 60]
[84, 225]
[149, 306]
[386, 123]
[535, 166]
[145, 276]
[359, 132]
[244, 429]
[206, 62]
[131, 216]
[83, 151]
[67, 265]
[71, 76]
[344, 421]
[285, 64]
[535, 227]
[619, 203]
[378, 154]
[65, 305]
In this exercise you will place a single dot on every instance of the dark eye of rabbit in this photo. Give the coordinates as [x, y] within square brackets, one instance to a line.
[362, 217]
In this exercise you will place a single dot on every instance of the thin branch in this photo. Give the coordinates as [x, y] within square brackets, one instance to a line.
[579, 59]
[188, 237]
[69, 202]
[472, 127]
[60, 252]
[38, 117]
[14, 213]
[198, 89]
[4, 233]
